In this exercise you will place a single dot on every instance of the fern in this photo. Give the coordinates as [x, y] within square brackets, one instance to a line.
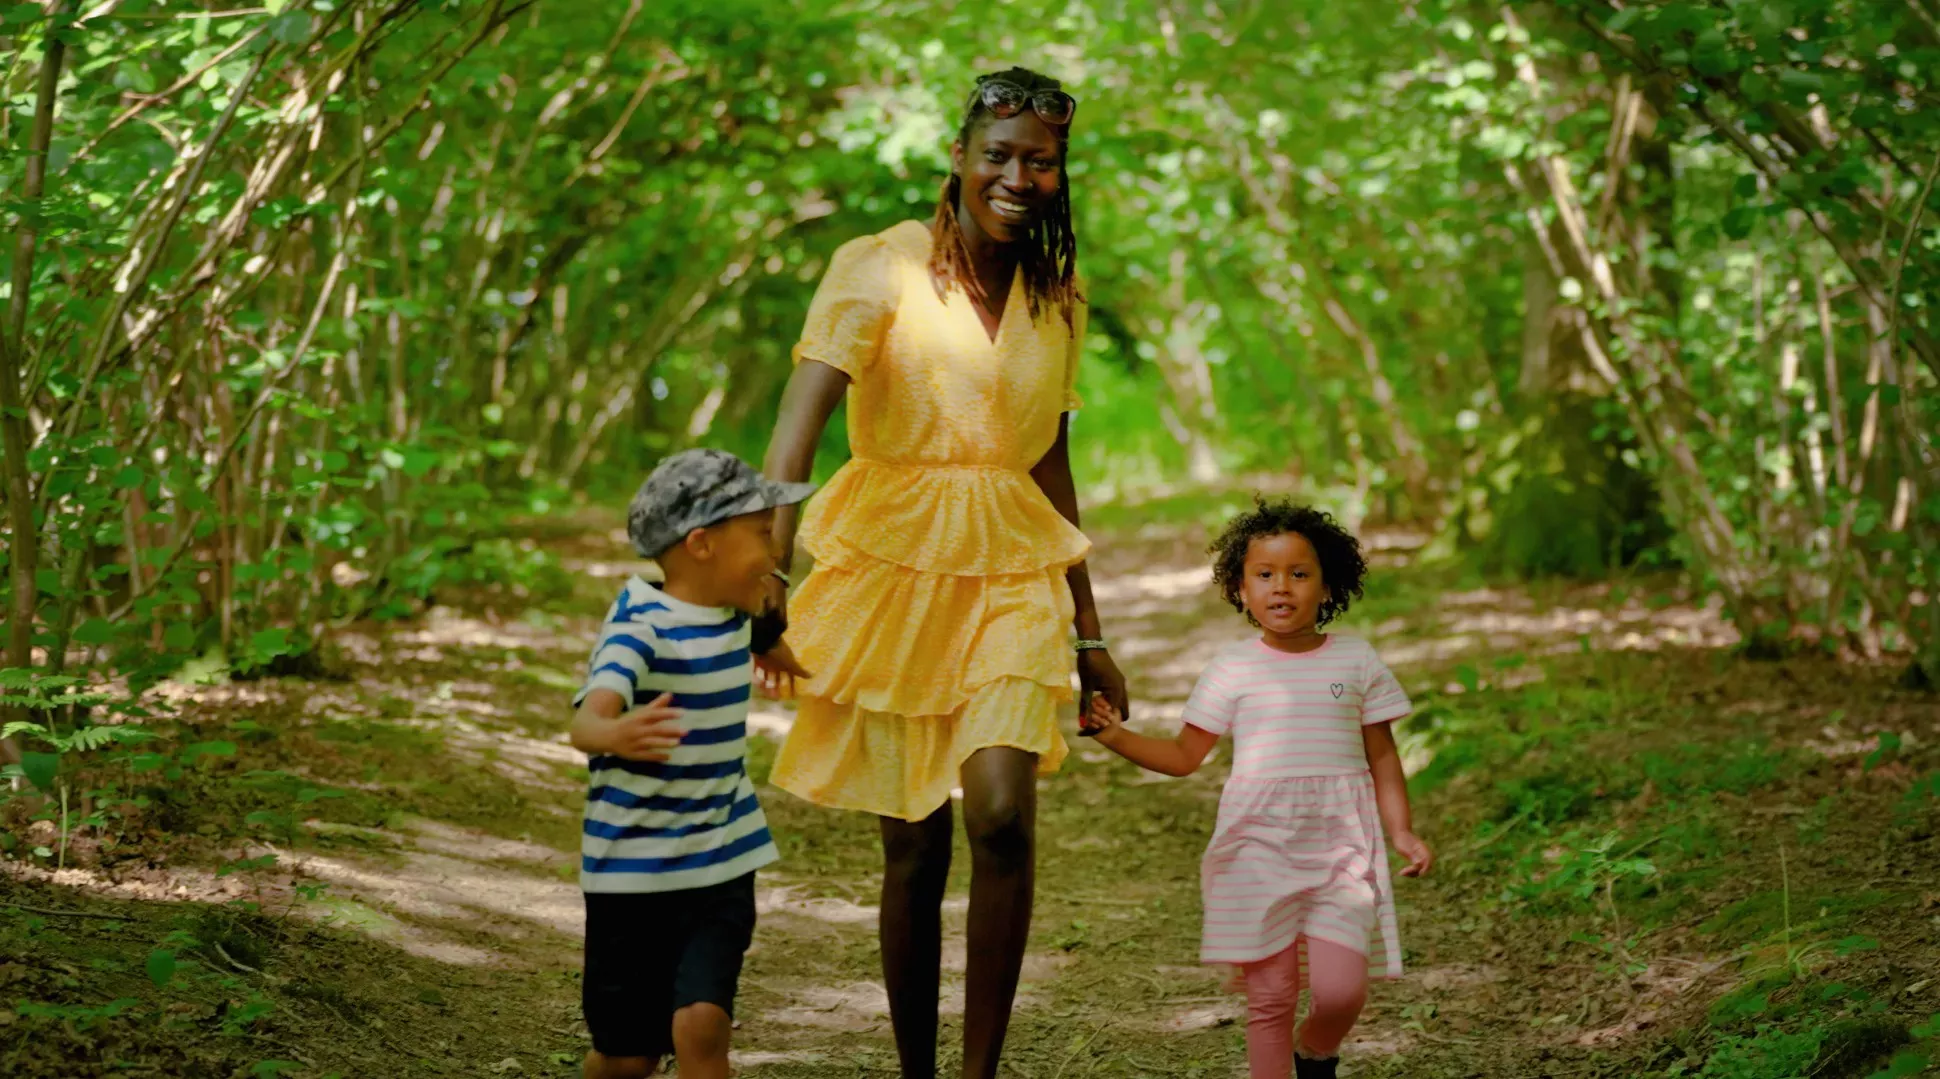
[88, 739]
[20, 726]
[28, 678]
[44, 704]
[84, 740]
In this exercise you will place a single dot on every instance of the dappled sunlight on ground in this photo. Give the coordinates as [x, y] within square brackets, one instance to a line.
[451, 836]
[831, 909]
[855, 1008]
[1200, 1014]
[485, 897]
[175, 884]
[446, 627]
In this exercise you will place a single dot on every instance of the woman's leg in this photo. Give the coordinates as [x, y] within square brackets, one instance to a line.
[916, 865]
[1272, 992]
[1000, 820]
[1337, 990]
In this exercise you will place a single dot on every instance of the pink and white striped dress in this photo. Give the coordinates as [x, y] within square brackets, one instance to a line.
[1298, 850]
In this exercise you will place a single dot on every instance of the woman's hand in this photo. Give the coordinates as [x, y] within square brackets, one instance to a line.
[776, 671]
[1097, 673]
[1413, 848]
[773, 620]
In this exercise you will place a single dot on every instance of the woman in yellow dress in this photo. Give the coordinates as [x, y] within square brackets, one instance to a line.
[949, 570]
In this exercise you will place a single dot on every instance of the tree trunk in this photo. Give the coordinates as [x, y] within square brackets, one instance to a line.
[23, 558]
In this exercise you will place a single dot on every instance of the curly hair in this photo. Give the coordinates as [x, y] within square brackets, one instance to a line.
[1343, 570]
[1050, 250]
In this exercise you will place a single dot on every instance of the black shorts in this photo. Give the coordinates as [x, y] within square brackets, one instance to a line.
[650, 954]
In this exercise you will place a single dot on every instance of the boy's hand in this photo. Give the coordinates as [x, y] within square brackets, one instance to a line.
[1411, 847]
[776, 670]
[1100, 719]
[647, 733]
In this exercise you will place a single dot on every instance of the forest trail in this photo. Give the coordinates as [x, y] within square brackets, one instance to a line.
[422, 918]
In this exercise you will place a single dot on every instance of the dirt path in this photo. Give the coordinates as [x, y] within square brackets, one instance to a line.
[425, 921]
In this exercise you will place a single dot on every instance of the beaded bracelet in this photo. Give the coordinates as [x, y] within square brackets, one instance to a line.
[1090, 644]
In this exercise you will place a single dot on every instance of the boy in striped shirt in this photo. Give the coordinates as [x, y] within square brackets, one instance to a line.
[673, 833]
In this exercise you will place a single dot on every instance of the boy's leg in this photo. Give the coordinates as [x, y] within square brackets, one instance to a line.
[719, 920]
[600, 1066]
[1272, 992]
[627, 995]
[701, 1033]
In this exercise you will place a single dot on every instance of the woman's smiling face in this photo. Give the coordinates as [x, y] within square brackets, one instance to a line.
[1010, 170]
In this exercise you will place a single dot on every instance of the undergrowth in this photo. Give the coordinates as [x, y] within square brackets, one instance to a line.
[1610, 810]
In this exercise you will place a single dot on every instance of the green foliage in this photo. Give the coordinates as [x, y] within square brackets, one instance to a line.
[1771, 1053]
[1768, 914]
[1704, 770]
[1577, 286]
[318, 371]
[161, 967]
[1565, 501]
[1586, 870]
[81, 1016]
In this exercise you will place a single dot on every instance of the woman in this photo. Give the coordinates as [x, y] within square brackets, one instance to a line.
[948, 562]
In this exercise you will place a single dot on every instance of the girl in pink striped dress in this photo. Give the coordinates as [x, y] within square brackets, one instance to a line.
[1297, 868]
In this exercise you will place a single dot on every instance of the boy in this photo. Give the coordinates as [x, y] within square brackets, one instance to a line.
[673, 833]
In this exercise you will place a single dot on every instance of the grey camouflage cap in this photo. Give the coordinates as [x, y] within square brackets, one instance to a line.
[695, 489]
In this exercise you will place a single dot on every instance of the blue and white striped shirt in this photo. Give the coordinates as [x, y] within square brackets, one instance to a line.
[692, 820]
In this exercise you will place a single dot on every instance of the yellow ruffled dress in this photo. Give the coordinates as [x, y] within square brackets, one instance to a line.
[937, 618]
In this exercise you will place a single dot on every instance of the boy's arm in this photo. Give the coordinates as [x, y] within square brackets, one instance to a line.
[1178, 756]
[647, 733]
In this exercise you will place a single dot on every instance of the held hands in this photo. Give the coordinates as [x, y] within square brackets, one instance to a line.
[1411, 847]
[1103, 721]
[1100, 720]
[771, 622]
[647, 733]
[1099, 677]
[776, 670]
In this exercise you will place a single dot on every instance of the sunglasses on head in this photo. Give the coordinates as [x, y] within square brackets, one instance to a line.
[1006, 99]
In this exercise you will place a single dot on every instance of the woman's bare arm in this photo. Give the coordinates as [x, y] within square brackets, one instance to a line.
[813, 392]
[1053, 476]
[1097, 671]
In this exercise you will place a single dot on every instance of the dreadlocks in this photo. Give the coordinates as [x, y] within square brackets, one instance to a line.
[1049, 252]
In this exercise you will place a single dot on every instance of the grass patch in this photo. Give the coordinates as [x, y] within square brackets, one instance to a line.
[1710, 769]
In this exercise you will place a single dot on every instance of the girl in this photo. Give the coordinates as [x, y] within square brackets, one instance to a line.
[1296, 863]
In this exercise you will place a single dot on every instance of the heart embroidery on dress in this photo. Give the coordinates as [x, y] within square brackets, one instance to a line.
[1338, 689]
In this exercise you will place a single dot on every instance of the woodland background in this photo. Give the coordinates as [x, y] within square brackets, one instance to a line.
[323, 317]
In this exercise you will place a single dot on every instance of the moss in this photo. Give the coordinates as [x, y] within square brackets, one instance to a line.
[1763, 915]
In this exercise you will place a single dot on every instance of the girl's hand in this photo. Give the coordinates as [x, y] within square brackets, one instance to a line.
[1100, 718]
[1099, 675]
[776, 670]
[1235, 980]
[1411, 847]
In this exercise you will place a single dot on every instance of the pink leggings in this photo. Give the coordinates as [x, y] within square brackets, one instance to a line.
[1337, 990]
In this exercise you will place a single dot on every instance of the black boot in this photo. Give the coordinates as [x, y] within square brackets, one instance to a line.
[1309, 1068]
